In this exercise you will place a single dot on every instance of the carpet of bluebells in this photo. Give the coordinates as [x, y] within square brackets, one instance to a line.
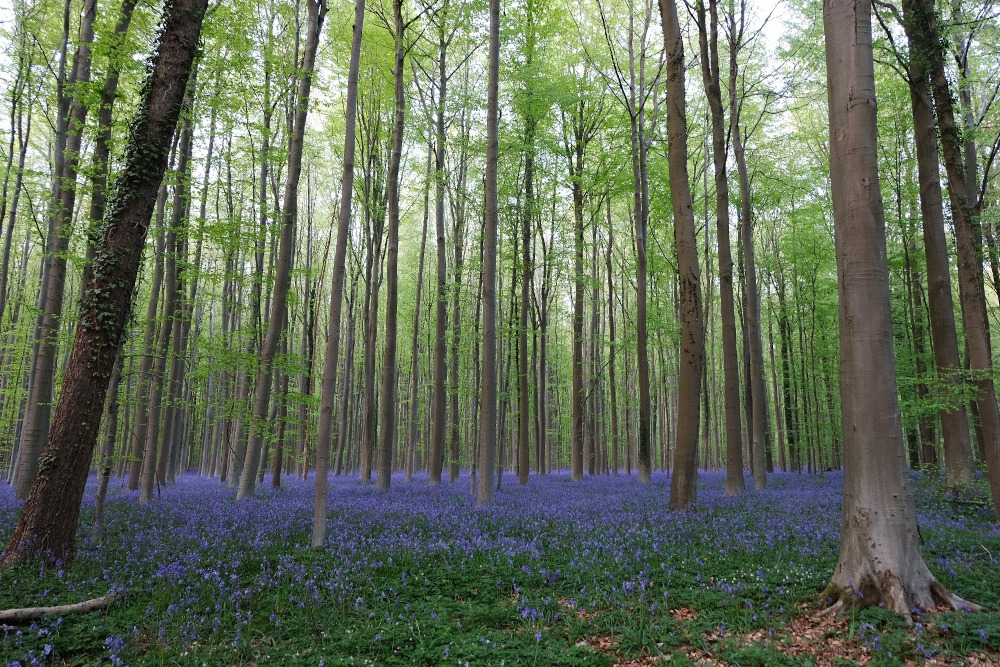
[591, 573]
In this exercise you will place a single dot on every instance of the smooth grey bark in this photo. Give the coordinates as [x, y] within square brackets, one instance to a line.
[286, 246]
[684, 483]
[387, 417]
[708, 41]
[329, 383]
[488, 409]
[73, 110]
[880, 561]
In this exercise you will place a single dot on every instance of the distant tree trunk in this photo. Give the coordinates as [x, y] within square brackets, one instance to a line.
[683, 484]
[171, 300]
[488, 412]
[439, 396]
[106, 456]
[926, 41]
[70, 128]
[880, 561]
[46, 529]
[411, 444]
[387, 435]
[329, 384]
[286, 246]
[708, 40]
[526, 280]
[954, 419]
[612, 360]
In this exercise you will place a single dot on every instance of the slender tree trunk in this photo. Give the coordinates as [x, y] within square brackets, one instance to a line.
[923, 33]
[286, 246]
[387, 436]
[329, 383]
[415, 345]
[683, 485]
[71, 123]
[708, 40]
[488, 412]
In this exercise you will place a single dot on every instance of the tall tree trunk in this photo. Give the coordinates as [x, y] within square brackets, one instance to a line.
[70, 121]
[439, 397]
[708, 40]
[488, 411]
[683, 485]
[411, 444]
[286, 246]
[387, 436]
[954, 419]
[880, 561]
[46, 529]
[329, 384]
[922, 31]
[612, 360]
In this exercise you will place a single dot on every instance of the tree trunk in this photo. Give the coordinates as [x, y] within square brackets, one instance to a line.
[46, 529]
[488, 410]
[387, 436]
[286, 246]
[683, 485]
[329, 384]
[708, 40]
[880, 561]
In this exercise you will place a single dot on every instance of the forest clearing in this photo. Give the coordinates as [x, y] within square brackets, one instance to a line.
[555, 573]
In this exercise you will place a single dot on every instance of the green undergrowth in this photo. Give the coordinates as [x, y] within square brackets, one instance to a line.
[608, 577]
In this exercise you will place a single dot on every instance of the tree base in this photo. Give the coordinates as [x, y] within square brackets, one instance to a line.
[887, 590]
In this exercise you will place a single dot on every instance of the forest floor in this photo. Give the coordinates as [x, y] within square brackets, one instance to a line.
[555, 573]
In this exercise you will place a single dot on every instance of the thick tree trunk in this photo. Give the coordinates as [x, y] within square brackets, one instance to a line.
[880, 561]
[47, 526]
[683, 485]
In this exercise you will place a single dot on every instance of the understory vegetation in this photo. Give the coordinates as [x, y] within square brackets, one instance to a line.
[590, 573]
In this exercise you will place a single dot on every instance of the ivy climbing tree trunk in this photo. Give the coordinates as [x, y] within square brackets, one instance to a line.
[46, 529]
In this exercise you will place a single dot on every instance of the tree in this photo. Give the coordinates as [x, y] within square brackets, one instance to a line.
[46, 529]
[683, 485]
[488, 408]
[880, 561]
[329, 384]
[708, 41]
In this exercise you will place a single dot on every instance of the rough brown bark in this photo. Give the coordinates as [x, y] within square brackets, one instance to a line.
[46, 529]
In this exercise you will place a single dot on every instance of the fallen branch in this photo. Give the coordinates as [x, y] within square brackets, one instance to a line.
[27, 614]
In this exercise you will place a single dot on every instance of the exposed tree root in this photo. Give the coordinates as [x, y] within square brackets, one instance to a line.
[888, 591]
[29, 614]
